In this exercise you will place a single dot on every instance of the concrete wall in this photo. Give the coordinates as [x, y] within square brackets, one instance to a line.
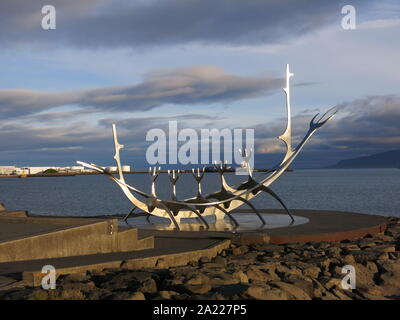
[98, 237]
[34, 278]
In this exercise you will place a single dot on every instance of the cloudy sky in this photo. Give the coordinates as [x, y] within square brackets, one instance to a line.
[206, 64]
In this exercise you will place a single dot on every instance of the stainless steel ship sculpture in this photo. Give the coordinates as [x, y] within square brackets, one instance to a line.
[220, 203]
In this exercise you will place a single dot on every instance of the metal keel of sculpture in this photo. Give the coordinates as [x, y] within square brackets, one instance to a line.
[220, 203]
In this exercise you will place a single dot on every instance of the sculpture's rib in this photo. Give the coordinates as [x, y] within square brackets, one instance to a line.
[130, 212]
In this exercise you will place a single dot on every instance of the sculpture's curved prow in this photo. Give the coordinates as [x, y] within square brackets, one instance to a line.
[220, 203]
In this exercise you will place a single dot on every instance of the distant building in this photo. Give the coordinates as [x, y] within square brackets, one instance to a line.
[114, 169]
[72, 169]
[7, 169]
[12, 170]
[21, 171]
[36, 170]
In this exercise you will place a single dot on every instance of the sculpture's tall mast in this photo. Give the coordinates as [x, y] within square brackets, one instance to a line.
[117, 158]
[287, 135]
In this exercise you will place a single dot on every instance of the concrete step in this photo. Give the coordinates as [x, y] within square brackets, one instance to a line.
[17, 213]
[126, 237]
[145, 243]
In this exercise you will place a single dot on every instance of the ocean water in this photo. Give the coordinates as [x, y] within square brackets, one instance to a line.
[371, 191]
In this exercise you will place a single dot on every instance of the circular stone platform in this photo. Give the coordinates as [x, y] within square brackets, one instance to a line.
[248, 221]
[309, 225]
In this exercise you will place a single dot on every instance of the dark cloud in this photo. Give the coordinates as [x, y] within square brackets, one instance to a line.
[52, 117]
[367, 124]
[150, 122]
[25, 137]
[363, 126]
[66, 143]
[193, 85]
[135, 24]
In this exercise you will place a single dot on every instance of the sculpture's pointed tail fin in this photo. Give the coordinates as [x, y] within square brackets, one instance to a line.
[328, 115]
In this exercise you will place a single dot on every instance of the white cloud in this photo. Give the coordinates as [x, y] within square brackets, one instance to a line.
[379, 24]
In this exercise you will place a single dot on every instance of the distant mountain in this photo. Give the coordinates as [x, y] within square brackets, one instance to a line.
[389, 159]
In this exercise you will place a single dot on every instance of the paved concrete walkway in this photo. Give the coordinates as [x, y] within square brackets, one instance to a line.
[13, 228]
[323, 226]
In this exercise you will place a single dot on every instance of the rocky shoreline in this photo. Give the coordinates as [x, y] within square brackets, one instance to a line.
[268, 272]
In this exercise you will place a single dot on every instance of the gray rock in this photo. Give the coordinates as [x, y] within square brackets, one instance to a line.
[329, 282]
[183, 296]
[215, 296]
[40, 294]
[172, 284]
[80, 286]
[364, 277]
[220, 260]
[241, 276]
[231, 290]
[292, 291]
[76, 277]
[349, 259]
[385, 248]
[349, 247]
[394, 255]
[266, 293]
[197, 279]
[204, 260]
[223, 279]
[258, 275]
[167, 294]
[270, 248]
[328, 296]
[240, 261]
[383, 238]
[98, 294]
[371, 266]
[211, 265]
[198, 289]
[311, 271]
[240, 250]
[136, 296]
[319, 289]
[323, 245]
[363, 256]
[390, 272]
[306, 286]
[334, 251]
[148, 286]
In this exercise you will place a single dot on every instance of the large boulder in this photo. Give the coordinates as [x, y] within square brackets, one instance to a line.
[198, 289]
[364, 276]
[292, 291]
[258, 275]
[196, 279]
[390, 275]
[266, 293]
